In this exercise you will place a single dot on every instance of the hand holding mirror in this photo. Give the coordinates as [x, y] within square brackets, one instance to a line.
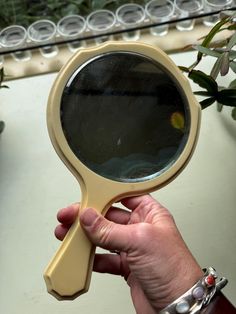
[124, 120]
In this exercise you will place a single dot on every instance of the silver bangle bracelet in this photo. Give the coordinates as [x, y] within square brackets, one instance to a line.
[199, 296]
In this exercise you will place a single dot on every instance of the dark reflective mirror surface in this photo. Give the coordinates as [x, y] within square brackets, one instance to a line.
[125, 117]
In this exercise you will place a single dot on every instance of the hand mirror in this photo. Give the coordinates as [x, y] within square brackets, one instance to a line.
[124, 120]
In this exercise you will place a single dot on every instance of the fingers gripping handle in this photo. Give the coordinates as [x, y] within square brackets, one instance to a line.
[68, 274]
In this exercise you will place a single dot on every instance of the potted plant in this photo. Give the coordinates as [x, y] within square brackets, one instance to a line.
[225, 54]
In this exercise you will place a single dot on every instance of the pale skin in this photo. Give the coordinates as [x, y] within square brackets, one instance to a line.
[153, 258]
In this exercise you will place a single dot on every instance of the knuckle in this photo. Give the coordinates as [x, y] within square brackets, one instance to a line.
[102, 231]
[149, 204]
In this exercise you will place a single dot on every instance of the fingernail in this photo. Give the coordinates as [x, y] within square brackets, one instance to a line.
[88, 216]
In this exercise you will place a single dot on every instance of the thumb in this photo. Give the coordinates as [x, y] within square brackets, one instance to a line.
[105, 233]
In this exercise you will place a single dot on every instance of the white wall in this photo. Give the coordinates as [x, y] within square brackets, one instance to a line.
[34, 184]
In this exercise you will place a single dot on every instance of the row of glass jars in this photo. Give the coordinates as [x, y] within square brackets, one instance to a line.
[100, 22]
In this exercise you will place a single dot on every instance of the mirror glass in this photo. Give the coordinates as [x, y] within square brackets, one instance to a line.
[125, 116]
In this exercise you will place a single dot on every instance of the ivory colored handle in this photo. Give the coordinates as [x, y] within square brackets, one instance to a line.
[68, 274]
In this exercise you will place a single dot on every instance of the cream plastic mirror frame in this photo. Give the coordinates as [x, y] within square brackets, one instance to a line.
[69, 272]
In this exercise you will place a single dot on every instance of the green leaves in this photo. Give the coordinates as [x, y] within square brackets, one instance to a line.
[233, 66]
[221, 65]
[234, 114]
[227, 97]
[232, 42]
[233, 84]
[225, 55]
[2, 75]
[207, 51]
[207, 40]
[2, 126]
[211, 91]
[207, 102]
[203, 80]
[206, 82]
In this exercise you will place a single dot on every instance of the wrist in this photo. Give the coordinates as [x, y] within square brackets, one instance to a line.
[186, 279]
[198, 296]
[180, 281]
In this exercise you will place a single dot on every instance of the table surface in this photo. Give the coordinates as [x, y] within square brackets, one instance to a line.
[35, 184]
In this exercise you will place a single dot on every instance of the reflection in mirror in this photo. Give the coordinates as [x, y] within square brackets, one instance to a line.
[125, 116]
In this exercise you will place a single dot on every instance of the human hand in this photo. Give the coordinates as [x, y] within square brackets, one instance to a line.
[153, 258]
